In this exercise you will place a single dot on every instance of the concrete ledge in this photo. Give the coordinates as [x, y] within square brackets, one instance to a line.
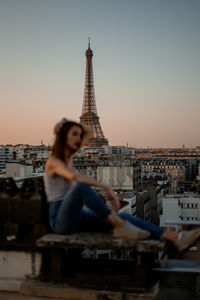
[98, 241]
[18, 264]
[179, 266]
[10, 285]
[40, 290]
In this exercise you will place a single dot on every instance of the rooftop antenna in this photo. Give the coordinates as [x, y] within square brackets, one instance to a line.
[89, 43]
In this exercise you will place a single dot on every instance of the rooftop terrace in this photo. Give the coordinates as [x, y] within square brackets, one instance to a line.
[57, 268]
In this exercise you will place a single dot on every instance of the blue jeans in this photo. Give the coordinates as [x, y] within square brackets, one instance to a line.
[68, 216]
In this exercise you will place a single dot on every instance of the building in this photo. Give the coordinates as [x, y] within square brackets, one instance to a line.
[198, 175]
[156, 193]
[119, 172]
[158, 178]
[137, 179]
[86, 165]
[168, 153]
[180, 207]
[128, 152]
[129, 203]
[143, 205]
[18, 169]
[192, 169]
[6, 153]
[172, 168]
[34, 153]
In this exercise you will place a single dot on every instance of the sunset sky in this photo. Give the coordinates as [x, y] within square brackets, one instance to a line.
[146, 69]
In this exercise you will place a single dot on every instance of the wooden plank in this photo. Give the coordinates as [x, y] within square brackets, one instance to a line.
[87, 240]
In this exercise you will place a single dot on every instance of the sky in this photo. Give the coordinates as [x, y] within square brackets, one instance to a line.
[146, 67]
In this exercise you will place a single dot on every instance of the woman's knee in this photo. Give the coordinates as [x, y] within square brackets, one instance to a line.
[83, 187]
[124, 215]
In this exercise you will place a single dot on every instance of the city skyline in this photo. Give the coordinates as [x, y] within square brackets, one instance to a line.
[146, 69]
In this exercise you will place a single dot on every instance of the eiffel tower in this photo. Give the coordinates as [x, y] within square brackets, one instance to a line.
[89, 114]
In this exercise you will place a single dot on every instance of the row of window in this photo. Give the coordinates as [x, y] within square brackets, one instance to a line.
[84, 168]
[189, 205]
[163, 167]
[189, 218]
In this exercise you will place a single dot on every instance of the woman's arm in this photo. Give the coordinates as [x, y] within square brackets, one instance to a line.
[87, 180]
[56, 166]
[111, 195]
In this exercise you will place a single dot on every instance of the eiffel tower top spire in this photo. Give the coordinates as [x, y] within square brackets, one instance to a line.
[89, 114]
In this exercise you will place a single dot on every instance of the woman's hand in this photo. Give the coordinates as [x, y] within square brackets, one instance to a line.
[113, 198]
[59, 125]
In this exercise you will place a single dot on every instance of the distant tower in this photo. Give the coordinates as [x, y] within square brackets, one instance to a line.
[89, 111]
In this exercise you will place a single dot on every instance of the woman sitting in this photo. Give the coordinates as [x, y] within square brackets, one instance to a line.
[67, 193]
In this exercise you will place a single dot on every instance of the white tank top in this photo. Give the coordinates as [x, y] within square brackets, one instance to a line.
[56, 187]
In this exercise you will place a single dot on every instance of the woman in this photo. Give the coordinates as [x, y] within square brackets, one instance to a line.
[67, 192]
